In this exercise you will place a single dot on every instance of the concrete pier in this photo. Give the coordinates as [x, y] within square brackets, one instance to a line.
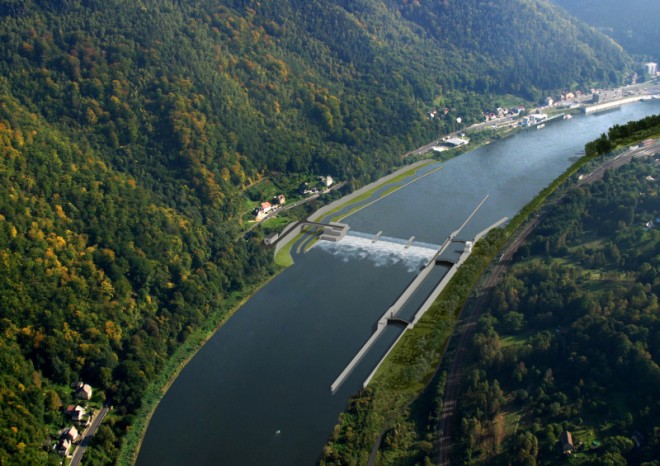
[434, 294]
[332, 231]
[390, 314]
[409, 243]
[614, 103]
[377, 237]
[360, 354]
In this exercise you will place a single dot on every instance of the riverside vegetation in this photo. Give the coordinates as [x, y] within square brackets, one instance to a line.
[405, 397]
[130, 133]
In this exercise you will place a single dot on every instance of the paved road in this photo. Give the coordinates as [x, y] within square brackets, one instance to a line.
[87, 436]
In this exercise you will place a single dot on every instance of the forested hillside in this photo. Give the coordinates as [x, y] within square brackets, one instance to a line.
[128, 131]
[633, 24]
[571, 341]
[513, 45]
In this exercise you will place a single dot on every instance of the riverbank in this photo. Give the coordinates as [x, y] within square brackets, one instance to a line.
[412, 365]
[176, 363]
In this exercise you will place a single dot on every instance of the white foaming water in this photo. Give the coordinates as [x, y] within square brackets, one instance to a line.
[385, 252]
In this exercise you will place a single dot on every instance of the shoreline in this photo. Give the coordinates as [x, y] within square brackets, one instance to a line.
[136, 431]
[176, 363]
[185, 353]
[283, 247]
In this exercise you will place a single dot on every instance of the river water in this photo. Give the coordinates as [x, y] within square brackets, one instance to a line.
[258, 393]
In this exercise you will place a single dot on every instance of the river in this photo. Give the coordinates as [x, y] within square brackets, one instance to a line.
[258, 393]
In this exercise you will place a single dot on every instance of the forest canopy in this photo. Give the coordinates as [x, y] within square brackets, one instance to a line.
[130, 130]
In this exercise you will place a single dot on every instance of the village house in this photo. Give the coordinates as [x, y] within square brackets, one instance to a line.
[75, 412]
[68, 437]
[83, 391]
[261, 212]
[63, 446]
[567, 443]
[71, 433]
[266, 207]
[270, 239]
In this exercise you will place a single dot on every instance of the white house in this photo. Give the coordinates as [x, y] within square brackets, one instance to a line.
[70, 433]
[651, 68]
[84, 392]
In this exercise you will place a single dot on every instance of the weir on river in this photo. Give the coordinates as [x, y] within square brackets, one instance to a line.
[391, 317]
[257, 392]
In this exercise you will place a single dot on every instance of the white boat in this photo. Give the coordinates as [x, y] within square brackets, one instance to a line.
[568, 116]
[540, 126]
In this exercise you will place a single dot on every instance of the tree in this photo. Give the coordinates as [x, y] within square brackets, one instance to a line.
[527, 449]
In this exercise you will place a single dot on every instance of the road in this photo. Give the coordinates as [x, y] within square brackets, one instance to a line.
[279, 210]
[647, 88]
[87, 436]
[472, 311]
[619, 160]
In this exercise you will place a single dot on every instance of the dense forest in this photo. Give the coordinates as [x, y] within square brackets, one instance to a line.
[129, 131]
[511, 53]
[572, 336]
[632, 24]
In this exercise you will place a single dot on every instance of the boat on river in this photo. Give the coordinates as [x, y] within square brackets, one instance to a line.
[540, 126]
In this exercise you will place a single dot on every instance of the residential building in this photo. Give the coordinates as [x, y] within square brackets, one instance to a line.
[84, 392]
[651, 68]
[567, 443]
[70, 433]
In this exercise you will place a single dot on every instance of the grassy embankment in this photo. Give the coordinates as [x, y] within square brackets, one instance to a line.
[181, 357]
[383, 195]
[284, 258]
[411, 365]
[158, 388]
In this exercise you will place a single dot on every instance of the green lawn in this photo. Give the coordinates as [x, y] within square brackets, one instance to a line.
[368, 194]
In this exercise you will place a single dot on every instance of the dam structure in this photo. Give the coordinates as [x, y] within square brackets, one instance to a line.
[390, 316]
[332, 231]
[599, 107]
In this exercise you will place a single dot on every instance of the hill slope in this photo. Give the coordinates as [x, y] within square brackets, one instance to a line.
[633, 24]
[129, 129]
